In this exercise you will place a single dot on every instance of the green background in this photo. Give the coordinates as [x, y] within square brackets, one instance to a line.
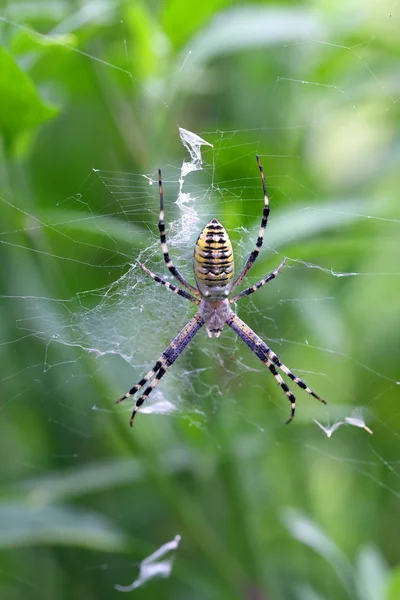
[265, 511]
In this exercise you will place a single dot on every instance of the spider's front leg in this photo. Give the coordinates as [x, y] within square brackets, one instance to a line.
[264, 221]
[259, 284]
[169, 286]
[163, 239]
[167, 358]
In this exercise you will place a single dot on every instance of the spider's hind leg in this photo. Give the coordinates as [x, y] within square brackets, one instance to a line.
[167, 358]
[148, 391]
[290, 396]
[142, 381]
[270, 359]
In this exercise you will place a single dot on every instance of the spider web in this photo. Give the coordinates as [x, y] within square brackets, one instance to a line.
[119, 320]
[121, 328]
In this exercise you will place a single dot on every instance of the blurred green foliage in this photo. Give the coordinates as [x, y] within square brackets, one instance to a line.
[264, 511]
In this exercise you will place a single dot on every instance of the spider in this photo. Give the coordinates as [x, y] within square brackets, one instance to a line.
[213, 272]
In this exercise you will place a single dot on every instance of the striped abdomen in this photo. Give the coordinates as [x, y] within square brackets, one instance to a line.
[213, 261]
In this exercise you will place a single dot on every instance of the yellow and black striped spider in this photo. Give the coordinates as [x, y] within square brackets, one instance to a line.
[213, 271]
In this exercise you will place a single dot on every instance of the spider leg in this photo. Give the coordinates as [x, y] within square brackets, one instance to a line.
[270, 359]
[253, 256]
[163, 239]
[167, 358]
[169, 286]
[261, 355]
[142, 381]
[257, 286]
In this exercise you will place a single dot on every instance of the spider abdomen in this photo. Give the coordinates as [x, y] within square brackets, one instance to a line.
[213, 262]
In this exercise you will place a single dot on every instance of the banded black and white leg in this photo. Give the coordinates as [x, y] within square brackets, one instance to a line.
[253, 255]
[259, 284]
[167, 358]
[169, 286]
[270, 359]
[164, 247]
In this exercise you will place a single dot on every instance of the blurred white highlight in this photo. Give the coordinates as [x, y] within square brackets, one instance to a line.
[152, 567]
[356, 420]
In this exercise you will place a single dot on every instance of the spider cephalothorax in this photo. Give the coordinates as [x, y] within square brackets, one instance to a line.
[215, 314]
[213, 271]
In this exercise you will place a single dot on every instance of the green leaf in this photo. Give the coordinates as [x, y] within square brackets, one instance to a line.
[21, 108]
[309, 533]
[243, 27]
[304, 221]
[98, 225]
[144, 30]
[30, 41]
[393, 587]
[372, 574]
[22, 525]
[304, 592]
[181, 21]
[72, 483]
